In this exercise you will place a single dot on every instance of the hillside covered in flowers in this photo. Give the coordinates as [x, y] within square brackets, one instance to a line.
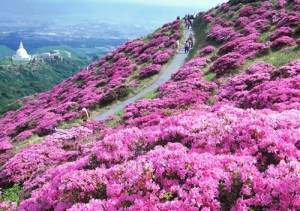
[222, 134]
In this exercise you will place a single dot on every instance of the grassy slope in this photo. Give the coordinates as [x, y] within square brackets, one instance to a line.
[19, 80]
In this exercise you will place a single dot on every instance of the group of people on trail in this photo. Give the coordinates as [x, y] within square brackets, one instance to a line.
[189, 43]
[188, 20]
[85, 116]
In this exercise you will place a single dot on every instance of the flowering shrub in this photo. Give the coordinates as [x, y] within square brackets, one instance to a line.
[206, 50]
[143, 58]
[278, 95]
[7, 205]
[282, 31]
[207, 18]
[231, 45]
[237, 87]
[170, 173]
[276, 16]
[220, 34]
[290, 70]
[37, 158]
[261, 25]
[23, 136]
[296, 8]
[226, 63]
[264, 86]
[242, 22]
[282, 41]
[224, 6]
[292, 19]
[149, 70]
[246, 11]
[162, 57]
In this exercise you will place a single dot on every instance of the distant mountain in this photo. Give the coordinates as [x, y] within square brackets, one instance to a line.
[5, 51]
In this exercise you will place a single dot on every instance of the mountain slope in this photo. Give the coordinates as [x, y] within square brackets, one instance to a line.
[19, 80]
[222, 134]
[5, 51]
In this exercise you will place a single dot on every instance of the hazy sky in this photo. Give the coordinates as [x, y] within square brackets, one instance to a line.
[183, 3]
[140, 12]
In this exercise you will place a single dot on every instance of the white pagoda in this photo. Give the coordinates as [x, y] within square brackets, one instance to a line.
[21, 54]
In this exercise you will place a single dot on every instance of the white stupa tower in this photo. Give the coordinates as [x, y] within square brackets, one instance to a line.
[21, 54]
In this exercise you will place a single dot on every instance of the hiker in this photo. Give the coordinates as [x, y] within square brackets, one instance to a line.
[186, 46]
[85, 115]
[54, 129]
[191, 41]
[177, 46]
[190, 20]
[186, 21]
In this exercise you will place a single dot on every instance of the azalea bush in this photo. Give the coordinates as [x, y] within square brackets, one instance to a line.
[226, 63]
[220, 34]
[282, 42]
[206, 50]
[264, 86]
[282, 31]
[200, 160]
[149, 70]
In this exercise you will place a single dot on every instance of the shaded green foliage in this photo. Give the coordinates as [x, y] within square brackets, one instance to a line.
[23, 79]
[4, 51]
[12, 194]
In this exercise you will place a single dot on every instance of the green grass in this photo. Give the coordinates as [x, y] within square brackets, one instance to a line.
[114, 122]
[209, 76]
[150, 95]
[277, 58]
[12, 194]
[28, 142]
[67, 125]
[264, 37]
[280, 57]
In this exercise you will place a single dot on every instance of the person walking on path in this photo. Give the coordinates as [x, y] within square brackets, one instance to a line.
[85, 115]
[186, 46]
[191, 41]
[177, 46]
